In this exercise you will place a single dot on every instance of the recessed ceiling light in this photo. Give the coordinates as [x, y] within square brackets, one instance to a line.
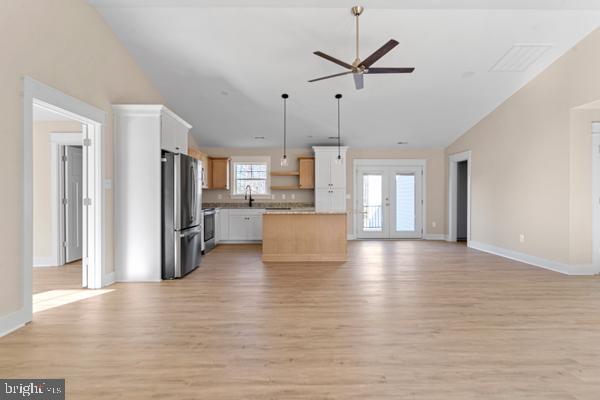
[332, 137]
[259, 137]
[309, 136]
[468, 74]
[402, 142]
[224, 92]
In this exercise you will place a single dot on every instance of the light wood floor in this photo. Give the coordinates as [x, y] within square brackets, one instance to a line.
[400, 320]
[51, 278]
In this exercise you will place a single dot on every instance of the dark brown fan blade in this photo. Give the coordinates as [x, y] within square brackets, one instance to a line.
[359, 81]
[383, 50]
[330, 76]
[333, 59]
[389, 70]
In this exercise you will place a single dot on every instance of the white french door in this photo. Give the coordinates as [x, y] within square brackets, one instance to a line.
[389, 202]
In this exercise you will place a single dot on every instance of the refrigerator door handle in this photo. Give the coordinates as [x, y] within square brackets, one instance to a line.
[191, 232]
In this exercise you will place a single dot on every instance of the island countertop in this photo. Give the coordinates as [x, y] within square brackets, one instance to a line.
[303, 212]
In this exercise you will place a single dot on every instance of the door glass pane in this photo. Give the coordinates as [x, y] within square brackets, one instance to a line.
[372, 203]
[405, 203]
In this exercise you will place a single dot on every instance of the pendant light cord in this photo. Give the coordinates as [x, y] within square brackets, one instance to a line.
[339, 143]
[284, 127]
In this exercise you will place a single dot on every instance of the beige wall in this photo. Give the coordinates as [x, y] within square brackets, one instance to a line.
[42, 191]
[301, 196]
[434, 190]
[531, 163]
[67, 45]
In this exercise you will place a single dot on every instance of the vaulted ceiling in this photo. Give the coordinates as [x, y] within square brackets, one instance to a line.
[222, 65]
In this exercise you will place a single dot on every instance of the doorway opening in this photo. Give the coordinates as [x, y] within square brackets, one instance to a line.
[389, 199]
[78, 222]
[57, 202]
[459, 197]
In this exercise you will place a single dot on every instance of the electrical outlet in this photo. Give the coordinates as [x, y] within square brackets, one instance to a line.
[272, 197]
[220, 196]
[433, 224]
[522, 238]
[283, 196]
[293, 196]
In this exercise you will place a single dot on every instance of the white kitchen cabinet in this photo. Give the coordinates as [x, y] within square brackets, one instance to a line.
[330, 178]
[174, 134]
[139, 132]
[223, 225]
[243, 225]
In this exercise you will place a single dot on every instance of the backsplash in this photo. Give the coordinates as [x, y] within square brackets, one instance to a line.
[258, 204]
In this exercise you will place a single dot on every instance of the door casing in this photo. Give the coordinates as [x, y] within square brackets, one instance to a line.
[387, 163]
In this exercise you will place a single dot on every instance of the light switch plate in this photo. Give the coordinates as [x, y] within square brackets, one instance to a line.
[107, 184]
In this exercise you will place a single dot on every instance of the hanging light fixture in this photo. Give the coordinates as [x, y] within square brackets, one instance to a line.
[339, 157]
[284, 159]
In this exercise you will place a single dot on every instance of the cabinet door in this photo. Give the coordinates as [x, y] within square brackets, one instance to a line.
[323, 199]
[223, 225]
[322, 173]
[306, 166]
[256, 227]
[338, 172]
[220, 173]
[173, 135]
[338, 199]
[238, 227]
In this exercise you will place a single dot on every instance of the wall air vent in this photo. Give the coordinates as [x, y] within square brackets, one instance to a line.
[520, 57]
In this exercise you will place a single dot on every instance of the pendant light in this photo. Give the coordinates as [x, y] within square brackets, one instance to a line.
[339, 157]
[284, 159]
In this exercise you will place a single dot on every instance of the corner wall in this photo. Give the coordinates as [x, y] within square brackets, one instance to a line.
[64, 44]
[524, 155]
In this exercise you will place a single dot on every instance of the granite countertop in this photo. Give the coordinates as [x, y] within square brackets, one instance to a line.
[259, 205]
[304, 212]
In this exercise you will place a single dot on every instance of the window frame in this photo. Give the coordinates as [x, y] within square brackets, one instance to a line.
[250, 160]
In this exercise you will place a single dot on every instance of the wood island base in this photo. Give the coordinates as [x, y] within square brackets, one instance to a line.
[304, 237]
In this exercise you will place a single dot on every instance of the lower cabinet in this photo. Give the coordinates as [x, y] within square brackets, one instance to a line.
[240, 225]
[330, 199]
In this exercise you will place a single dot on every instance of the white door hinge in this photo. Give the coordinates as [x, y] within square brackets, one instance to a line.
[65, 243]
[87, 142]
[65, 201]
[64, 158]
[87, 201]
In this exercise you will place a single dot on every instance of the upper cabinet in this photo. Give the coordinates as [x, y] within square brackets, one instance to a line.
[174, 132]
[306, 172]
[219, 172]
[330, 178]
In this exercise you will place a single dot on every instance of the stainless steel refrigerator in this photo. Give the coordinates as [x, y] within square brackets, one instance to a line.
[182, 218]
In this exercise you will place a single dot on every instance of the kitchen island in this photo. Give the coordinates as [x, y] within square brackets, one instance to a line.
[304, 236]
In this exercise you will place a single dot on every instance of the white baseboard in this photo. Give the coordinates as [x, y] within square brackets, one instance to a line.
[11, 322]
[533, 260]
[108, 279]
[351, 236]
[45, 262]
[434, 236]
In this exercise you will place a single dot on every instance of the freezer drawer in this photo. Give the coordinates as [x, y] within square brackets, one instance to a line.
[184, 253]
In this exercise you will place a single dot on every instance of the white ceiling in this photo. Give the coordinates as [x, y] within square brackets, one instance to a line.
[222, 65]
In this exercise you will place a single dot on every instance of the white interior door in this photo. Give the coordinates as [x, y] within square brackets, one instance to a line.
[389, 202]
[73, 202]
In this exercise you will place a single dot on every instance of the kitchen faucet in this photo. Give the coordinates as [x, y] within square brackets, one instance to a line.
[246, 197]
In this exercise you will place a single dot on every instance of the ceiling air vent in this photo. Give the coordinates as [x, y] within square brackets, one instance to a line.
[520, 57]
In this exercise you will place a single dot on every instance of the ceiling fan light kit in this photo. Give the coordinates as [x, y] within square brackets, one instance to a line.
[359, 67]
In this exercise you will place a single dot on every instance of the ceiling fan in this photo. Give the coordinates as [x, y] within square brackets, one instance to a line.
[358, 68]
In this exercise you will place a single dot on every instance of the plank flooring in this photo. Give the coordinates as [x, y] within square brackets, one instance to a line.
[399, 320]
